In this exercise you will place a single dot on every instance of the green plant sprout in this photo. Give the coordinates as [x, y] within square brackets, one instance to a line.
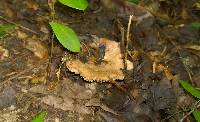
[5, 28]
[65, 35]
[40, 117]
[195, 93]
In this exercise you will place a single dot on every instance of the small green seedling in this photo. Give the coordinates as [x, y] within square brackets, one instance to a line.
[40, 117]
[65, 35]
[194, 92]
[5, 28]
[196, 25]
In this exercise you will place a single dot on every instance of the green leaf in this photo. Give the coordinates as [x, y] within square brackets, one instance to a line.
[196, 25]
[5, 28]
[196, 115]
[40, 117]
[189, 88]
[77, 4]
[134, 1]
[66, 36]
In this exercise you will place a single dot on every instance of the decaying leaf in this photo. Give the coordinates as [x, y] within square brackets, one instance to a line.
[67, 96]
[96, 103]
[31, 4]
[4, 53]
[109, 69]
[66, 104]
[37, 47]
[168, 73]
[21, 34]
[58, 102]
[38, 79]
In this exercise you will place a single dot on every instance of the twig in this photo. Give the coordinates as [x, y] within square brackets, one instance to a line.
[123, 47]
[127, 40]
[51, 4]
[50, 59]
[21, 26]
[128, 29]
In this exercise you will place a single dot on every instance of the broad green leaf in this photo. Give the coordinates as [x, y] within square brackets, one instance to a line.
[5, 28]
[196, 25]
[66, 36]
[189, 88]
[40, 117]
[77, 4]
[196, 115]
[134, 1]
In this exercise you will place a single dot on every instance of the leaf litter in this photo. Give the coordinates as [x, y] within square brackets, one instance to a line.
[167, 51]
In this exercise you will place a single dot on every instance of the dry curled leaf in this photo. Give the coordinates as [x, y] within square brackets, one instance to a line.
[109, 69]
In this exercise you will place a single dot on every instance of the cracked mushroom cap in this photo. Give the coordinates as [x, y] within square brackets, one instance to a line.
[106, 71]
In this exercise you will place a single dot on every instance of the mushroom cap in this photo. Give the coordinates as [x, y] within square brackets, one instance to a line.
[108, 70]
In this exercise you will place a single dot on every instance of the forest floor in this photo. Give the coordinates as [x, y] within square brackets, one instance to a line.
[137, 81]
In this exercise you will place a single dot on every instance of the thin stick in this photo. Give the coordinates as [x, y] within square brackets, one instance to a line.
[21, 26]
[127, 40]
[128, 29]
[123, 47]
[51, 5]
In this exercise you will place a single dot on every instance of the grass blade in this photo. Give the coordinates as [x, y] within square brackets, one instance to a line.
[196, 115]
[189, 88]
